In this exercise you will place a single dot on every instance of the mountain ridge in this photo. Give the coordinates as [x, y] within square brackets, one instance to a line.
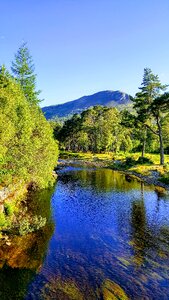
[107, 98]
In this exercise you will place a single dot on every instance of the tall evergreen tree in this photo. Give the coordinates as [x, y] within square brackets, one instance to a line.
[148, 112]
[23, 70]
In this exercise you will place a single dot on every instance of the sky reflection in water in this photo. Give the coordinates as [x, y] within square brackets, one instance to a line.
[105, 228]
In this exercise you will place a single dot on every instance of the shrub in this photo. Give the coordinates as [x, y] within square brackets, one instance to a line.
[165, 178]
[144, 161]
[29, 225]
[9, 209]
[130, 161]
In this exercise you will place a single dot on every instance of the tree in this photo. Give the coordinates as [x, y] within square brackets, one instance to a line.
[158, 107]
[165, 128]
[139, 130]
[97, 129]
[28, 152]
[23, 70]
[148, 106]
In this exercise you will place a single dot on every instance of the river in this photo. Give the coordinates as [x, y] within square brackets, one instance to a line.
[106, 236]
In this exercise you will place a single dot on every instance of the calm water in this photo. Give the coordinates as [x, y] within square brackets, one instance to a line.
[100, 227]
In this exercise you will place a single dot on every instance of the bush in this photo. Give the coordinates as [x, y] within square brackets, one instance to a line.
[165, 178]
[144, 161]
[9, 209]
[29, 225]
[130, 161]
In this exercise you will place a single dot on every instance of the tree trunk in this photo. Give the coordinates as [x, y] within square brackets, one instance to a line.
[144, 143]
[161, 141]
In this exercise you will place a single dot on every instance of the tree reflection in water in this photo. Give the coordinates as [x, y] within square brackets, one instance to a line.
[110, 233]
[23, 256]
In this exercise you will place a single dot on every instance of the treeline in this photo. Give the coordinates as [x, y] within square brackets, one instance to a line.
[97, 129]
[102, 129]
[28, 152]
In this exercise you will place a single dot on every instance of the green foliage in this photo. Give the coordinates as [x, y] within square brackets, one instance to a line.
[2, 220]
[102, 129]
[23, 70]
[130, 161]
[97, 129]
[144, 161]
[28, 151]
[149, 105]
[28, 225]
[9, 209]
[165, 179]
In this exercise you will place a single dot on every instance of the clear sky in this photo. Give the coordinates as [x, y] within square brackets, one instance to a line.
[80, 47]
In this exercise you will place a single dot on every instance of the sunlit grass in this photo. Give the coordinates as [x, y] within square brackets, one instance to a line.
[119, 159]
[87, 155]
[155, 158]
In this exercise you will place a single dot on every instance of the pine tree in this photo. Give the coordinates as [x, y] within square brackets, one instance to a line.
[145, 103]
[23, 70]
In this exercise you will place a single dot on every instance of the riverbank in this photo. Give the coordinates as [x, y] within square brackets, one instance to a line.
[151, 173]
[149, 179]
[16, 213]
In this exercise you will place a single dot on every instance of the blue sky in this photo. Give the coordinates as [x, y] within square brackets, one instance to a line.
[84, 46]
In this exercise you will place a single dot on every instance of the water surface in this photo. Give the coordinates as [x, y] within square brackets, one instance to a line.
[102, 229]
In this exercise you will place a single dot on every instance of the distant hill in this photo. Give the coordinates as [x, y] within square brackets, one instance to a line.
[104, 98]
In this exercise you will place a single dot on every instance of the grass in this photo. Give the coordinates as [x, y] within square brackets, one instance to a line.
[110, 155]
[86, 155]
[126, 161]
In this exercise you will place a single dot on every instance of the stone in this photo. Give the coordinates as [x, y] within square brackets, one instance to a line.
[112, 291]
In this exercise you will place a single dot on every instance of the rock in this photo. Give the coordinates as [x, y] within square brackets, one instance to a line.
[160, 191]
[112, 291]
[54, 174]
[4, 193]
[56, 288]
[8, 243]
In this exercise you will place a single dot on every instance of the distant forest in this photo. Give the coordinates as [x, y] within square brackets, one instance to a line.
[102, 129]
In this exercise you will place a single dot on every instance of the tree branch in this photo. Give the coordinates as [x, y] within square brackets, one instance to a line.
[155, 132]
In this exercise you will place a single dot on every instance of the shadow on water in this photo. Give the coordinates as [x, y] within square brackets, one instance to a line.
[110, 241]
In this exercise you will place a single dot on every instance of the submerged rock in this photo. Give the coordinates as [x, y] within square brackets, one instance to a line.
[112, 291]
[61, 290]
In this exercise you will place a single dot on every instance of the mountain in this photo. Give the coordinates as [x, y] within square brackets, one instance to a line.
[104, 98]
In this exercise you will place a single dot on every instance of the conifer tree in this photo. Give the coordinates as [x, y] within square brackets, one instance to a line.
[145, 103]
[23, 70]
